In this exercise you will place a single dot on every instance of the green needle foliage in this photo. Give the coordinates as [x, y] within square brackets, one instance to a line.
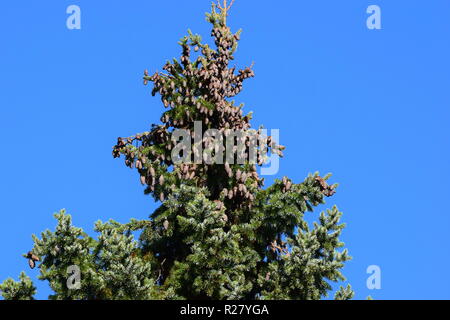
[22, 290]
[217, 234]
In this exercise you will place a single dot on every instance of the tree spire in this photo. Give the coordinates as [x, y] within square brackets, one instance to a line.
[224, 8]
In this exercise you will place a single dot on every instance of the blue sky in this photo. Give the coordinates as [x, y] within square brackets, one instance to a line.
[370, 106]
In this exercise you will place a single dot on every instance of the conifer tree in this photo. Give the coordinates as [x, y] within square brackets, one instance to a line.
[218, 233]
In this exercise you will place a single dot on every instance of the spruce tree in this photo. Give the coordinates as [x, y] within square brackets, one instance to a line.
[218, 233]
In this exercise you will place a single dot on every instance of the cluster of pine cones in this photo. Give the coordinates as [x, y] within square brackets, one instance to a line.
[198, 90]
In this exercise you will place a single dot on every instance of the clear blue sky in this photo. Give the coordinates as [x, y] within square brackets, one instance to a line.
[370, 106]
